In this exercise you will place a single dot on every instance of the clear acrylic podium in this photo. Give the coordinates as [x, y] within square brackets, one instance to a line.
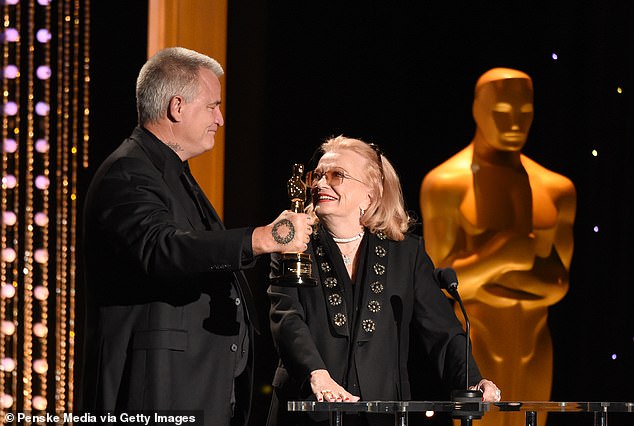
[466, 412]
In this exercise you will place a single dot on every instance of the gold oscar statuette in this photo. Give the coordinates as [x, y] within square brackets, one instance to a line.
[295, 268]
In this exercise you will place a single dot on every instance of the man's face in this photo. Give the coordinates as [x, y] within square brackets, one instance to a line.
[202, 116]
[503, 111]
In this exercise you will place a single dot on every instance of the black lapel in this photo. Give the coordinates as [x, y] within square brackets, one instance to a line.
[331, 285]
[373, 281]
[373, 305]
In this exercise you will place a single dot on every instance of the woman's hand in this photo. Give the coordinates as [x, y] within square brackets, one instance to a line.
[326, 389]
[490, 392]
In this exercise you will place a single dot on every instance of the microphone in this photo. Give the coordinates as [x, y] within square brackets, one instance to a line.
[448, 280]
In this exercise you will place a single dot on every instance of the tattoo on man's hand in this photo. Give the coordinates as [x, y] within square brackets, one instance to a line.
[290, 231]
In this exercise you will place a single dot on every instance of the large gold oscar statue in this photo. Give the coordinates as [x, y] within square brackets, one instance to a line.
[505, 224]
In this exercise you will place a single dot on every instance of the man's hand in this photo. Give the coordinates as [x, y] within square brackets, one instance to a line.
[290, 232]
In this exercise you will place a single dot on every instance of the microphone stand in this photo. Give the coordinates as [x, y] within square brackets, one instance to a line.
[464, 399]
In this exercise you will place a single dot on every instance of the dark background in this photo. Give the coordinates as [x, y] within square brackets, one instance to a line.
[402, 74]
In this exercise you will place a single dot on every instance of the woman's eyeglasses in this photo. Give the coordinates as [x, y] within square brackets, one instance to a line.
[334, 177]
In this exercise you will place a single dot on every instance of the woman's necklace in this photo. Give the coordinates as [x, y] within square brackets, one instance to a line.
[348, 240]
[348, 256]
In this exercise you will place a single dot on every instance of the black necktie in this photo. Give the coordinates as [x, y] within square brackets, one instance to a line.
[195, 192]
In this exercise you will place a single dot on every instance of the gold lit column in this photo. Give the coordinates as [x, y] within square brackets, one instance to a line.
[200, 25]
[11, 208]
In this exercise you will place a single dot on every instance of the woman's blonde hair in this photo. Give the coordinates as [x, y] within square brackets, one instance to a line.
[386, 212]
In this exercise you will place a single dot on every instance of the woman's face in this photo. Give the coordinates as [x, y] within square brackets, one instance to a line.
[341, 191]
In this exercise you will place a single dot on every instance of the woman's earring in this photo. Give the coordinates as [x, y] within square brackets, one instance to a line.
[361, 211]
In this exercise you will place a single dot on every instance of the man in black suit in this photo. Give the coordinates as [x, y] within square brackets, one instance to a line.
[170, 316]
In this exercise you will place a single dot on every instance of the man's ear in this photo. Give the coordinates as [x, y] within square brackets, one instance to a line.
[174, 109]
